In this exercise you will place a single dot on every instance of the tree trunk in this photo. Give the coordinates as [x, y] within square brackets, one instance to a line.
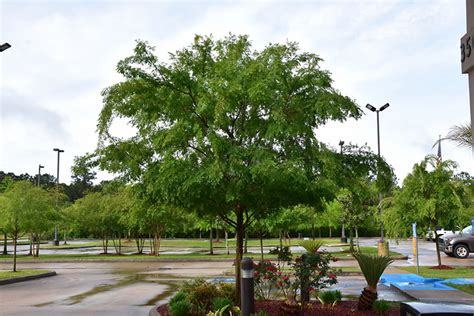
[211, 248]
[240, 231]
[312, 232]
[140, 244]
[261, 245]
[330, 232]
[151, 244]
[30, 253]
[367, 298]
[319, 229]
[105, 244]
[351, 242]
[246, 240]
[437, 248]
[281, 239]
[217, 235]
[227, 242]
[38, 242]
[157, 240]
[14, 253]
[5, 239]
[65, 239]
[357, 240]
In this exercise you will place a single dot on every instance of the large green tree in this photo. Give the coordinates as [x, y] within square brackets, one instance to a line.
[222, 129]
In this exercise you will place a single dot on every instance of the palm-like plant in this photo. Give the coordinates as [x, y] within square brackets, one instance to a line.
[459, 134]
[372, 267]
[311, 245]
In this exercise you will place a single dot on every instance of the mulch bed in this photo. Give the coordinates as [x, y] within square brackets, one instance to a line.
[344, 308]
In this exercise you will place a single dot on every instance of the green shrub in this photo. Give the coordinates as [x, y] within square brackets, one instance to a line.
[180, 308]
[381, 307]
[329, 297]
[227, 290]
[220, 302]
[200, 293]
[180, 296]
[260, 314]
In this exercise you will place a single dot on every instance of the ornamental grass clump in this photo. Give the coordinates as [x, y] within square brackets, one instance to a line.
[329, 298]
[372, 268]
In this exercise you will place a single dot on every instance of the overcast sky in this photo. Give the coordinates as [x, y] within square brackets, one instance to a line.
[64, 54]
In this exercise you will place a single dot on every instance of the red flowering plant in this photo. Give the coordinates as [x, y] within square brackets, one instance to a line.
[312, 273]
[266, 279]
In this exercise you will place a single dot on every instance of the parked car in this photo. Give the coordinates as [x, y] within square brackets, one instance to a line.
[457, 245]
[430, 235]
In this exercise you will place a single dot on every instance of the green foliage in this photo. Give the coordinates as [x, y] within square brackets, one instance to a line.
[221, 303]
[312, 271]
[372, 267]
[259, 313]
[283, 254]
[180, 308]
[179, 296]
[329, 297]
[310, 245]
[220, 312]
[381, 307]
[227, 290]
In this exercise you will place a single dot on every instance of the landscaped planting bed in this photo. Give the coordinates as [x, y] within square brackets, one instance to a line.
[271, 308]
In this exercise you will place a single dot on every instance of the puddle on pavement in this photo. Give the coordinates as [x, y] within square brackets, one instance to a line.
[171, 282]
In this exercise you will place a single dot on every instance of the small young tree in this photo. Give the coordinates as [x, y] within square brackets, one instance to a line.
[430, 196]
[24, 207]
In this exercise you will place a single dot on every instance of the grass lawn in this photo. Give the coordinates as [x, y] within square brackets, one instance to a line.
[193, 243]
[468, 288]
[4, 274]
[458, 272]
[368, 250]
[114, 257]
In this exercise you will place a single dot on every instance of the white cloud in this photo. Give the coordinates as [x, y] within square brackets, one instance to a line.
[65, 53]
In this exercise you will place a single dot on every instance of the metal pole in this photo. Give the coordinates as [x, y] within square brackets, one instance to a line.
[39, 174]
[382, 239]
[343, 231]
[469, 27]
[56, 240]
[247, 287]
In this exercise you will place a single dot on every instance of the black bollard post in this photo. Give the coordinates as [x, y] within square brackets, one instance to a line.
[304, 289]
[247, 289]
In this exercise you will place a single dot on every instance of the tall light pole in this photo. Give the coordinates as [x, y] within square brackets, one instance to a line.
[374, 109]
[39, 174]
[4, 46]
[5, 251]
[56, 240]
[343, 232]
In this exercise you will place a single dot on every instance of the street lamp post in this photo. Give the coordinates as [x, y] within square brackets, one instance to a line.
[382, 239]
[343, 232]
[56, 240]
[4, 46]
[39, 174]
[5, 251]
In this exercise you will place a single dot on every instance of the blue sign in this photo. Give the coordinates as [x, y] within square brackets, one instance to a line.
[472, 228]
[414, 227]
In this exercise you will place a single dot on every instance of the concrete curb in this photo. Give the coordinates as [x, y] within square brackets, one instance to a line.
[154, 311]
[27, 278]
